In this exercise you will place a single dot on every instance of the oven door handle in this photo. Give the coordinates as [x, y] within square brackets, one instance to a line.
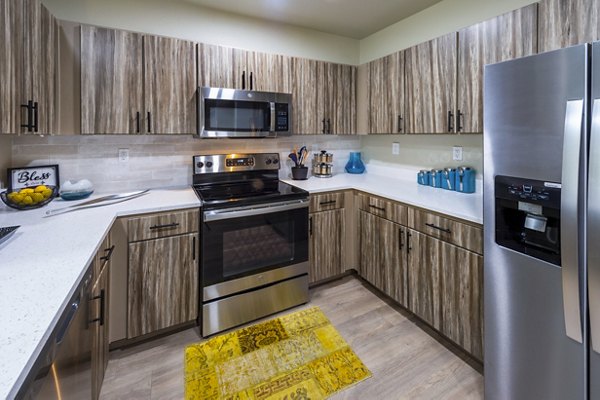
[238, 212]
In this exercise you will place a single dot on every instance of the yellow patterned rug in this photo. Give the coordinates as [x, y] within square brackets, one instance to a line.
[299, 356]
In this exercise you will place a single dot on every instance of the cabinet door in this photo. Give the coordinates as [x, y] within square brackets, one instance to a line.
[393, 259]
[511, 35]
[111, 81]
[424, 277]
[326, 244]
[386, 94]
[462, 296]
[215, 66]
[162, 284]
[270, 72]
[371, 267]
[99, 322]
[564, 23]
[305, 118]
[41, 67]
[340, 109]
[431, 86]
[169, 85]
[11, 65]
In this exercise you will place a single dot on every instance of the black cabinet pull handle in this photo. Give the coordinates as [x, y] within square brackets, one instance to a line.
[323, 122]
[445, 230]
[194, 248]
[35, 117]
[408, 236]
[243, 80]
[149, 122]
[310, 226]
[328, 126]
[459, 121]
[102, 306]
[326, 203]
[377, 208]
[165, 226]
[399, 123]
[251, 81]
[29, 107]
[400, 237]
[137, 122]
[450, 121]
[110, 251]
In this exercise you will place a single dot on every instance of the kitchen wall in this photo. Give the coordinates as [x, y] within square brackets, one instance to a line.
[178, 18]
[424, 151]
[437, 20]
[5, 158]
[157, 161]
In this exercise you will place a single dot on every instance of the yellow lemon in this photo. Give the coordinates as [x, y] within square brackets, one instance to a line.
[18, 197]
[37, 197]
[40, 189]
[27, 200]
[11, 195]
[47, 193]
[26, 191]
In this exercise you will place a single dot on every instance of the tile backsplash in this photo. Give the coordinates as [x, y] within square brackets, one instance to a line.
[157, 161]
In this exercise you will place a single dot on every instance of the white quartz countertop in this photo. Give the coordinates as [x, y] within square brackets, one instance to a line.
[397, 186]
[44, 261]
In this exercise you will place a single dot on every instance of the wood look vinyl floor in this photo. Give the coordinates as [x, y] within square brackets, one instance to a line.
[406, 362]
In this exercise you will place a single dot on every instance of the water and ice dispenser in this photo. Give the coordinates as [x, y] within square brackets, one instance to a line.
[528, 217]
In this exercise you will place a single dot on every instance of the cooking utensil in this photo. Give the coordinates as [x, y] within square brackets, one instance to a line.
[99, 202]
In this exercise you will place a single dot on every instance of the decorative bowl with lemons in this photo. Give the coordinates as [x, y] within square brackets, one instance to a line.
[29, 198]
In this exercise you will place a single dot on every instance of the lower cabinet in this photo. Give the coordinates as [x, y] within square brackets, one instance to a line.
[326, 244]
[162, 283]
[99, 328]
[382, 256]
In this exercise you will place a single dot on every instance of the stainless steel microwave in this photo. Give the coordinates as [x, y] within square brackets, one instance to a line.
[243, 113]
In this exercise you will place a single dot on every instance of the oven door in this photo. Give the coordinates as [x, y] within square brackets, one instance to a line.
[248, 247]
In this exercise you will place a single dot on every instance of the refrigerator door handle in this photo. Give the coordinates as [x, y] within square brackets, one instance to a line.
[594, 228]
[569, 224]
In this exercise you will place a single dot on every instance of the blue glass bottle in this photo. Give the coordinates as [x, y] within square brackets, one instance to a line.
[355, 164]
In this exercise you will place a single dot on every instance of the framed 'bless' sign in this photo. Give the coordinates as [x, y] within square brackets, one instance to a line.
[19, 178]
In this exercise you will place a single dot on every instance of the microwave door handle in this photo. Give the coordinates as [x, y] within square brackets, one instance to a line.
[569, 212]
[593, 224]
[272, 127]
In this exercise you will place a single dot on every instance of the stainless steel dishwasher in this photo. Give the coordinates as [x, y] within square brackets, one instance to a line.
[63, 368]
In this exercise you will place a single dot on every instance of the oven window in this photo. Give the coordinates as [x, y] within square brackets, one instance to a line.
[232, 115]
[247, 249]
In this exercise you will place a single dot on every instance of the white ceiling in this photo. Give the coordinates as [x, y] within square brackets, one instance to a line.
[351, 18]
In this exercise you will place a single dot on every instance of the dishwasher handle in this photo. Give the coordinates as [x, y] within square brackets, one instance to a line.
[62, 331]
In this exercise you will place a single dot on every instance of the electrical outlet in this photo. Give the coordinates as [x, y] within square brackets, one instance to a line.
[457, 153]
[123, 155]
[395, 148]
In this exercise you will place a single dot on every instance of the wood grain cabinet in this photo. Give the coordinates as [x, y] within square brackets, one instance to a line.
[508, 36]
[162, 283]
[28, 68]
[564, 23]
[430, 73]
[327, 228]
[385, 104]
[136, 84]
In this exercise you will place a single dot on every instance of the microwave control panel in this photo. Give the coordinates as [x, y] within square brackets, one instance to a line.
[282, 117]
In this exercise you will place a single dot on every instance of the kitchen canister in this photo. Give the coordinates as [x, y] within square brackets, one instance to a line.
[465, 180]
[436, 178]
[449, 178]
[423, 177]
[355, 164]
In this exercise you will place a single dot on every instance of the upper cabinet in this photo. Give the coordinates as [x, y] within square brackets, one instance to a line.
[132, 83]
[511, 35]
[564, 23]
[385, 104]
[226, 67]
[430, 72]
[28, 68]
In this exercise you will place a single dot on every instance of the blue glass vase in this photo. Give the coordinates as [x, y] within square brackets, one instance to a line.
[355, 164]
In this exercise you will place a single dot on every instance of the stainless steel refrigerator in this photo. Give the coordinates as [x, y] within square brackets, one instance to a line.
[542, 226]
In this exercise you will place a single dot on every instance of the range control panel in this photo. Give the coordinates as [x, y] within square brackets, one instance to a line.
[235, 162]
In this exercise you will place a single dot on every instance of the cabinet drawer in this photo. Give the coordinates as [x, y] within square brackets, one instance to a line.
[162, 225]
[326, 201]
[383, 208]
[102, 256]
[461, 234]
